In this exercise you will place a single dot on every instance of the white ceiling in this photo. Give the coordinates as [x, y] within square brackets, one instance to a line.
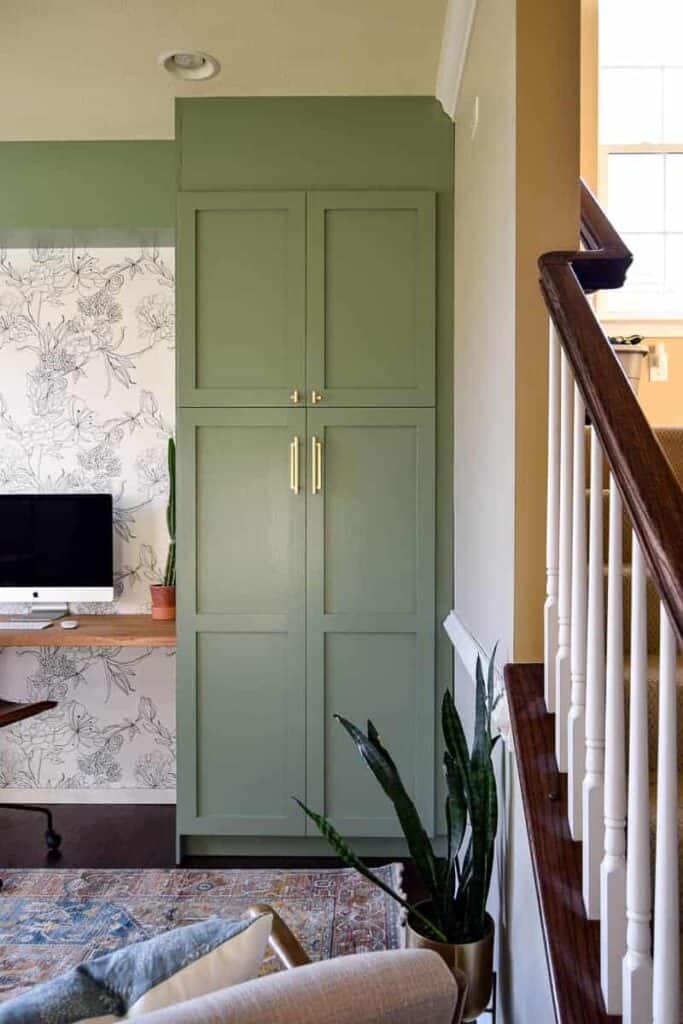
[87, 69]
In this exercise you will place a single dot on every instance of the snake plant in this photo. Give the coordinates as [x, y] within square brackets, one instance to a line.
[457, 884]
[169, 573]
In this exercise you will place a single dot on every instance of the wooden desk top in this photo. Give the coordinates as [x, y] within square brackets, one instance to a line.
[95, 631]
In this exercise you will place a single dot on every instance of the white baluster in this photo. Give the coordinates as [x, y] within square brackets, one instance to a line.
[637, 964]
[562, 661]
[613, 867]
[593, 783]
[576, 734]
[553, 518]
[666, 982]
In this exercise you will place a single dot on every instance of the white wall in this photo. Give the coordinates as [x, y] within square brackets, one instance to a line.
[509, 162]
[485, 330]
[87, 404]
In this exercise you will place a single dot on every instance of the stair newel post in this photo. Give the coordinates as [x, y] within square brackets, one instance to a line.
[594, 779]
[613, 867]
[666, 981]
[562, 661]
[552, 518]
[576, 734]
[637, 964]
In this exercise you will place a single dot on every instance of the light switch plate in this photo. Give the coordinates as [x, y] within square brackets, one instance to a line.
[658, 364]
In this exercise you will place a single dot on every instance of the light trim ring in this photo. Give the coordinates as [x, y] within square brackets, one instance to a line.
[192, 65]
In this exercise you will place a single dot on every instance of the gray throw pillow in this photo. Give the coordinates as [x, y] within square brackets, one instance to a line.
[163, 971]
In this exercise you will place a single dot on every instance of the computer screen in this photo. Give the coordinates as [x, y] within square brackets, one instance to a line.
[56, 546]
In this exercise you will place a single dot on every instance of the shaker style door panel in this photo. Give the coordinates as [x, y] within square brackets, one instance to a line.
[371, 297]
[370, 601]
[241, 297]
[241, 586]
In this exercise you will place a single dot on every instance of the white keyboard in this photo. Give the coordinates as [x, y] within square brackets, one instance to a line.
[26, 624]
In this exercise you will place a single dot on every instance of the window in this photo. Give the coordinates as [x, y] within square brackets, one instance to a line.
[641, 156]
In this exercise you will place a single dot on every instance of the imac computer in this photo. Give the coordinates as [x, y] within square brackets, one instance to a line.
[55, 548]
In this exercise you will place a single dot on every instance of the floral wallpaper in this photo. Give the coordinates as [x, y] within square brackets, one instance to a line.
[87, 404]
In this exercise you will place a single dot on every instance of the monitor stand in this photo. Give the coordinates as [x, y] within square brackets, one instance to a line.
[43, 613]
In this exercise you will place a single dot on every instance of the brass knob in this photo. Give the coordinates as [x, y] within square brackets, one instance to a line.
[316, 397]
[295, 397]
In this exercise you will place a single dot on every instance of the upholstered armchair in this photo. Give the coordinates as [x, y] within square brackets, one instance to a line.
[406, 986]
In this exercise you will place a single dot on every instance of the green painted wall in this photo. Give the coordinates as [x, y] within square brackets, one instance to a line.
[96, 192]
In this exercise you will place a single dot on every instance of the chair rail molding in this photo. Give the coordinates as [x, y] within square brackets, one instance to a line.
[468, 648]
[454, 42]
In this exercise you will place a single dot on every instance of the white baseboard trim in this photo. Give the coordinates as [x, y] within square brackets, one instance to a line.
[468, 649]
[467, 646]
[87, 796]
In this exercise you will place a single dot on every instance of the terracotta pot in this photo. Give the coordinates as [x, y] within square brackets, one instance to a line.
[473, 959]
[163, 602]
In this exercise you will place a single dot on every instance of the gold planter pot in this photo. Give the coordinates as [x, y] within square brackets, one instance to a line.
[474, 959]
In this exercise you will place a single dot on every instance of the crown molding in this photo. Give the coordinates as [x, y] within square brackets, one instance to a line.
[456, 36]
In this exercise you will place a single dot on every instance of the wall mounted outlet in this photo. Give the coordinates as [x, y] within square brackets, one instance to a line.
[658, 363]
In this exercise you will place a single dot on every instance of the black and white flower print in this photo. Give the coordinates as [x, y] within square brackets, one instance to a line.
[87, 404]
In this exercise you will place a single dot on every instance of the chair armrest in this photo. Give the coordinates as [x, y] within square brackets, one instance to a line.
[282, 941]
[406, 986]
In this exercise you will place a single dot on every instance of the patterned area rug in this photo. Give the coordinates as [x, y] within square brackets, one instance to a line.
[52, 920]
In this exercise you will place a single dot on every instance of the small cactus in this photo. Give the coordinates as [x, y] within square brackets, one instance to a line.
[169, 574]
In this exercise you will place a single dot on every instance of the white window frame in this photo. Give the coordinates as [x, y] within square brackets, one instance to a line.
[629, 323]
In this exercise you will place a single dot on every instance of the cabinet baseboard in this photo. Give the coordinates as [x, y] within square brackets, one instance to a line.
[292, 846]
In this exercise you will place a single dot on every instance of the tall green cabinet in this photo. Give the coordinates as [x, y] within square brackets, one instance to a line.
[308, 515]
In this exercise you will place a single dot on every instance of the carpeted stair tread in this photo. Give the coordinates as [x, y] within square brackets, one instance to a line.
[671, 440]
[653, 842]
[653, 702]
[652, 611]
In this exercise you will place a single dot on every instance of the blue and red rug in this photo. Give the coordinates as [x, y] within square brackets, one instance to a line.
[51, 920]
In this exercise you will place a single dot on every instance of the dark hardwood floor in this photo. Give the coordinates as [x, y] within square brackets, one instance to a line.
[125, 836]
[93, 836]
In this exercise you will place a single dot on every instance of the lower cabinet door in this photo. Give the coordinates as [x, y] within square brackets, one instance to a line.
[241, 602]
[370, 609]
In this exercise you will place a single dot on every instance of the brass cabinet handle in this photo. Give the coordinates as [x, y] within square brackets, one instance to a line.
[295, 397]
[316, 396]
[294, 465]
[316, 465]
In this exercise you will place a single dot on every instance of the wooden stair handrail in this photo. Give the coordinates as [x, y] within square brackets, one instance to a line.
[646, 481]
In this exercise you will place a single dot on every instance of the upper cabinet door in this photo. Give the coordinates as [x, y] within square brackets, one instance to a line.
[241, 298]
[370, 298]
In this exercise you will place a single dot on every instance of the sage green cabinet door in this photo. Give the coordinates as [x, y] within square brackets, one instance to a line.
[370, 600]
[241, 582]
[241, 297]
[371, 297]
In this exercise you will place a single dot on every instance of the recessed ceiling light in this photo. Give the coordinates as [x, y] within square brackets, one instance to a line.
[191, 64]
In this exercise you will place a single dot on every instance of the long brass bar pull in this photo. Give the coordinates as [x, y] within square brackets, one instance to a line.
[294, 465]
[316, 465]
[319, 465]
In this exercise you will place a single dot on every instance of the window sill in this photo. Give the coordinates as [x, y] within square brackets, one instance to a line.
[648, 328]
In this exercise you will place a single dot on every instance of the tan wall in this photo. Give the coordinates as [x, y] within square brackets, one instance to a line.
[589, 93]
[663, 403]
[547, 211]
